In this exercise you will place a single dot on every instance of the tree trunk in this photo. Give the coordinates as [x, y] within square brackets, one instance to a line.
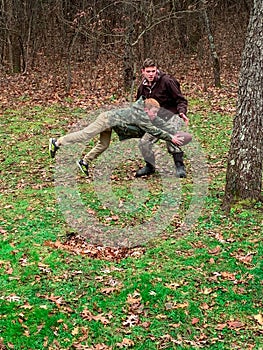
[128, 57]
[15, 50]
[214, 55]
[244, 170]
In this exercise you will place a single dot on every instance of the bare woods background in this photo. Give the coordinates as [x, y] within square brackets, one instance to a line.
[68, 47]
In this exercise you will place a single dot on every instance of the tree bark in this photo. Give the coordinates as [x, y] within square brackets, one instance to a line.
[214, 55]
[128, 57]
[244, 170]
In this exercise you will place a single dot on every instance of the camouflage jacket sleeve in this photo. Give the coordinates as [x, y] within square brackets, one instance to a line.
[141, 119]
[148, 127]
[162, 124]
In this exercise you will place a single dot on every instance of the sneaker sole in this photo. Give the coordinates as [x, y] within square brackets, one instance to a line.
[80, 167]
[51, 152]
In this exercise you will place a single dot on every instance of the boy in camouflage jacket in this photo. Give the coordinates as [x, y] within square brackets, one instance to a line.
[132, 122]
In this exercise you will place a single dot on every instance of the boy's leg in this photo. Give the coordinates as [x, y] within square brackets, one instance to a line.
[146, 148]
[84, 135]
[101, 146]
[178, 155]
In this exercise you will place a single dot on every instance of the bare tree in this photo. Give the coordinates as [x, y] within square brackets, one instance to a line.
[214, 55]
[244, 170]
[12, 27]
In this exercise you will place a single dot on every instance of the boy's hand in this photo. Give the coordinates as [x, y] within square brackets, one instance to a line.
[178, 140]
[184, 117]
[181, 138]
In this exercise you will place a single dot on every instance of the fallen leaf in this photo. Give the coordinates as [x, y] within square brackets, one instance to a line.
[235, 324]
[134, 298]
[131, 321]
[259, 318]
[101, 318]
[195, 320]
[75, 331]
[221, 326]
[207, 291]
[205, 306]
[125, 343]
[215, 251]
[182, 306]
[174, 325]
[145, 324]
[245, 259]
[228, 276]
[108, 290]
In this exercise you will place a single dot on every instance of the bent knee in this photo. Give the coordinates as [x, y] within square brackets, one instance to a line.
[104, 145]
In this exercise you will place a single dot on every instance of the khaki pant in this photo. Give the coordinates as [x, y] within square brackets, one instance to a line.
[99, 126]
[101, 146]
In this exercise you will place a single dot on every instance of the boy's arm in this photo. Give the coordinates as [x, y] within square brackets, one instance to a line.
[173, 87]
[164, 125]
[148, 127]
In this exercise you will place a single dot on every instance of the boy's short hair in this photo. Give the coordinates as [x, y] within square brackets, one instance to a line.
[149, 62]
[150, 103]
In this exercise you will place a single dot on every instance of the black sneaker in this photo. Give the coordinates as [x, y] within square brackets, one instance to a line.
[52, 147]
[83, 167]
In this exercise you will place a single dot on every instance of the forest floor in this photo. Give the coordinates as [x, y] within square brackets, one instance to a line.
[110, 261]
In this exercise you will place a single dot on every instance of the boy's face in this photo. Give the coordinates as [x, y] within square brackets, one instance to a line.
[152, 112]
[149, 73]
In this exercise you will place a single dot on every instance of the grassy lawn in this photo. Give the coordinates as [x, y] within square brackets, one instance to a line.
[200, 289]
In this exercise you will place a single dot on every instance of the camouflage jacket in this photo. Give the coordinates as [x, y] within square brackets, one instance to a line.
[134, 122]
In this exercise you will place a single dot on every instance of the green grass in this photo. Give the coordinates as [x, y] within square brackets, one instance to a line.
[202, 289]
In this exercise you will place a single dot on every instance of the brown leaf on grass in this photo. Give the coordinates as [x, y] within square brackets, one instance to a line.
[215, 251]
[161, 317]
[246, 259]
[171, 305]
[4, 233]
[259, 319]
[134, 298]
[125, 343]
[56, 299]
[205, 306]
[9, 270]
[87, 315]
[26, 306]
[43, 267]
[207, 291]
[101, 318]
[182, 305]
[75, 331]
[221, 326]
[173, 285]
[195, 320]
[242, 256]
[78, 245]
[26, 333]
[228, 276]
[134, 302]
[131, 321]
[174, 325]
[145, 324]
[235, 324]
[101, 346]
[85, 335]
[108, 290]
